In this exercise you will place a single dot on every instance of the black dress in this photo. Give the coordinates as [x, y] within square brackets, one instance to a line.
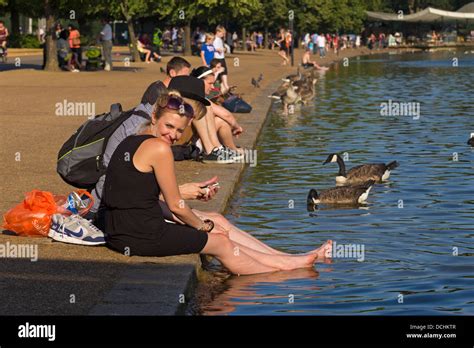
[134, 222]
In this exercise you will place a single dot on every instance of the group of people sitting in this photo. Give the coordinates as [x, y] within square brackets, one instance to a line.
[138, 203]
[145, 47]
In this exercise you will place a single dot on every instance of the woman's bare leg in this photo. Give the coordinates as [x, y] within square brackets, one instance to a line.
[211, 127]
[237, 262]
[244, 238]
[282, 54]
[239, 236]
[282, 262]
[203, 132]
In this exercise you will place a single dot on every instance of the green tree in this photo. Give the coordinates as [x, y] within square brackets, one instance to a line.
[212, 11]
[131, 10]
[270, 16]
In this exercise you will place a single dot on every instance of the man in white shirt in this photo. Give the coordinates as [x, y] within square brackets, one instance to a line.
[314, 40]
[322, 45]
[106, 40]
[220, 55]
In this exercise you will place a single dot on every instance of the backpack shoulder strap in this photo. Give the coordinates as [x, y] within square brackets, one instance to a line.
[141, 113]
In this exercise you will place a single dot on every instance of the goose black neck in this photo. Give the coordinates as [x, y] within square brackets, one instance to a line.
[342, 166]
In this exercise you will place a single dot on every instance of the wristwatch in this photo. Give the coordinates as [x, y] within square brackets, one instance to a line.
[207, 226]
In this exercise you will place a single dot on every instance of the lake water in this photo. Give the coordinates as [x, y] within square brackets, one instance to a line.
[417, 229]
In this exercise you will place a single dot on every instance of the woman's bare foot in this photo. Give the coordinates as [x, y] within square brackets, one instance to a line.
[298, 261]
[323, 251]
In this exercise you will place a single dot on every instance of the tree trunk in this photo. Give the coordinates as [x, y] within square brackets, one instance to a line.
[244, 39]
[15, 18]
[131, 32]
[187, 39]
[51, 63]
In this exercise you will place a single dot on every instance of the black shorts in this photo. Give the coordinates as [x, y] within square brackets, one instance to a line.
[173, 240]
[224, 65]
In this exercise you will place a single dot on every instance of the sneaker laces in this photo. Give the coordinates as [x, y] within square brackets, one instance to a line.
[89, 224]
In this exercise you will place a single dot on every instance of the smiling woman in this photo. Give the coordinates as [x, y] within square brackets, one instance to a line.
[142, 168]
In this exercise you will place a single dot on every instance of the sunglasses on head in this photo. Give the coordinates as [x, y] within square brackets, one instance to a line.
[177, 103]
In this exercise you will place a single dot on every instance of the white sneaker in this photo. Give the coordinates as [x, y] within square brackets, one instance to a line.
[75, 229]
[107, 67]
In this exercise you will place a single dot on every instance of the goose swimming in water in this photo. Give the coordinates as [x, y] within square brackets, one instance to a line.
[471, 141]
[359, 174]
[341, 194]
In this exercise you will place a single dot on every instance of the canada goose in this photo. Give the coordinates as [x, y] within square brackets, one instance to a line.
[471, 141]
[295, 77]
[307, 92]
[288, 96]
[362, 173]
[281, 90]
[341, 194]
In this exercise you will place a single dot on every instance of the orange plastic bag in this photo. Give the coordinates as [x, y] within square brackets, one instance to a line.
[32, 217]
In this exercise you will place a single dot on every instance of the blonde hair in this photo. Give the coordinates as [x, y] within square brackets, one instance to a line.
[158, 109]
[220, 28]
[210, 36]
[199, 108]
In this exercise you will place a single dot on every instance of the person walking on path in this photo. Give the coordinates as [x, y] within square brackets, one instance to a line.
[220, 54]
[106, 40]
[75, 43]
[283, 49]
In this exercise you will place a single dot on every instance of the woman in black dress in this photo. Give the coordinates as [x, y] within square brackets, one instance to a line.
[142, 168]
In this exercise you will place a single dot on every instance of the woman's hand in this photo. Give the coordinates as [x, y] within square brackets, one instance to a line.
[199, 190]
[191, 190]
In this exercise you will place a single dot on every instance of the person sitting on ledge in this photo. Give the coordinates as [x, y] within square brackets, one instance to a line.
[224, 122]
[215, 130]
[306, 62]
[142, 168]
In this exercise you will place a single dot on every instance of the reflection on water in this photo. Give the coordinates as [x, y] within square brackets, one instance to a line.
[416, 229]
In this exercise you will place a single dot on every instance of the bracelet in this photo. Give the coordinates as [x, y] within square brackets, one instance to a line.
[207, 226]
